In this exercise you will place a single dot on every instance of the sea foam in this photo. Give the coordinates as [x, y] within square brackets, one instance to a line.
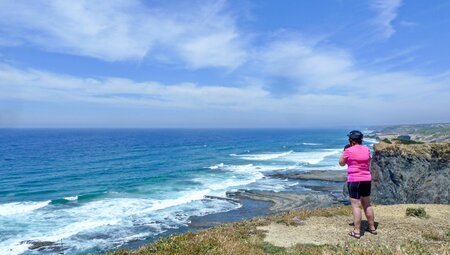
[312, 144]
[74, 198]
[103, 223]
[14, 208]
[309, 157]
[262, 156]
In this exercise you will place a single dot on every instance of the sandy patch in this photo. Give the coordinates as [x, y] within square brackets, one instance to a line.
[393, 229]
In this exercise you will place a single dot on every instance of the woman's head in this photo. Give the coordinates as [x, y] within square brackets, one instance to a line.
[355, 137]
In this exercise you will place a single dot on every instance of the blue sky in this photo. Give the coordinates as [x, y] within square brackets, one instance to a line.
[127, 63]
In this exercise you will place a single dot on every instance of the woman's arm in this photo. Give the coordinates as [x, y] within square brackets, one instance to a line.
[342, 160]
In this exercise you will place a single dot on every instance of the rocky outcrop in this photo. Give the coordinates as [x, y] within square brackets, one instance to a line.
[415, 173]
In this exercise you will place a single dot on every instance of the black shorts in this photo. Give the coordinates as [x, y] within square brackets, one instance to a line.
[357, 190]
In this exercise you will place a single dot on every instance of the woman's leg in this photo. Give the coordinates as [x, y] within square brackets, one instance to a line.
[356, 214]
[368, 211]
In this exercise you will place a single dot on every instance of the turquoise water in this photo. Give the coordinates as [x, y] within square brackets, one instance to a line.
[99, 189]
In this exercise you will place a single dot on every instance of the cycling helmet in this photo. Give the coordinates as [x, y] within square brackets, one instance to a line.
[355, 135]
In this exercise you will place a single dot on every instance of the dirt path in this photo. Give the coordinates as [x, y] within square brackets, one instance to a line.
[394, 228]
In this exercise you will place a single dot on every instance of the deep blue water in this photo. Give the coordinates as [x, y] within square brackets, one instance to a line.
[99, 189]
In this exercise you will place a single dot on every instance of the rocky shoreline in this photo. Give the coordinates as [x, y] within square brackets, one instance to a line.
[326, 192]
[320, 175]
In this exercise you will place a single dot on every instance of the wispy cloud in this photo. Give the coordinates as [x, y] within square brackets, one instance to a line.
[386, 12]
[204, 35]
[401, 55]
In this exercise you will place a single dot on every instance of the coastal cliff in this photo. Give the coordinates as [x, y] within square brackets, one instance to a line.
[415, 173]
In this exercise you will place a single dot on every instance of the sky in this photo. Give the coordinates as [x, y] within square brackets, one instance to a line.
[223, 64]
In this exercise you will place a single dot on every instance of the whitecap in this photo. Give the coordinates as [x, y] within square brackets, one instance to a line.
[71, 198]
[188, 197]
[311, 157]
[262, 156]
[312, 144]
[221, 165]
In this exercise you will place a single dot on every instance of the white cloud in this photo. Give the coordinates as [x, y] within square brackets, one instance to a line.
[372, 98]
[35, 85]
[201, 36]
[306, 63]
[386, 13]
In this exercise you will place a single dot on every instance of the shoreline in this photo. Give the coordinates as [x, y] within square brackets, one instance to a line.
[315, 189]
[323, 190]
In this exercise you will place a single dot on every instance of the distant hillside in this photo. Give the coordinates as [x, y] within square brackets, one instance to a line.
[428, 133]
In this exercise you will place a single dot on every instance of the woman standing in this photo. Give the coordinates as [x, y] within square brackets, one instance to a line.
[357, 158]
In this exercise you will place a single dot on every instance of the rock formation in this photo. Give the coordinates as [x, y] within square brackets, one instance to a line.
[415, 173]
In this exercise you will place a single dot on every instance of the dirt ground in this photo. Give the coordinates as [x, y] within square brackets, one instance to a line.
[394, 227]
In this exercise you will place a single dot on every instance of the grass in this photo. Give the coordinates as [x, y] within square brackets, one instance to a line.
[288, 218]
[242, 238]
[416, 212]
[432, 235]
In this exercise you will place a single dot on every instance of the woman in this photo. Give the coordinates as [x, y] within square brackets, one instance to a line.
[357, 158]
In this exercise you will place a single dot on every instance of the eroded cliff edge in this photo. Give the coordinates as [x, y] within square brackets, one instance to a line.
[415, 173]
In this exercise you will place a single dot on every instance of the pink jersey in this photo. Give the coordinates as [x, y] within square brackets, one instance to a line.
[358, 158]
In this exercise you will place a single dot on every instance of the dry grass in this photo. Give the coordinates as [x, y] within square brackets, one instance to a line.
[398, 234]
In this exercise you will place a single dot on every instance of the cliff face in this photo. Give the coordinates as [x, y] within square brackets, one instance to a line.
[417, 173]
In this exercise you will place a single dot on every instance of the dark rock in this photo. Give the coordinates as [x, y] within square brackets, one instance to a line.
[416, 173]
[404, 137]
[321, 175]
[39, 245]
[222, 198]
[286, 201]
[323, 188]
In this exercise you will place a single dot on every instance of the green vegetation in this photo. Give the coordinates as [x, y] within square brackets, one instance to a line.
[386, 141]
[416, 212]
[406, 141]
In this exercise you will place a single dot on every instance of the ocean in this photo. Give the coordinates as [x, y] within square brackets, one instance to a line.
[95, 190]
